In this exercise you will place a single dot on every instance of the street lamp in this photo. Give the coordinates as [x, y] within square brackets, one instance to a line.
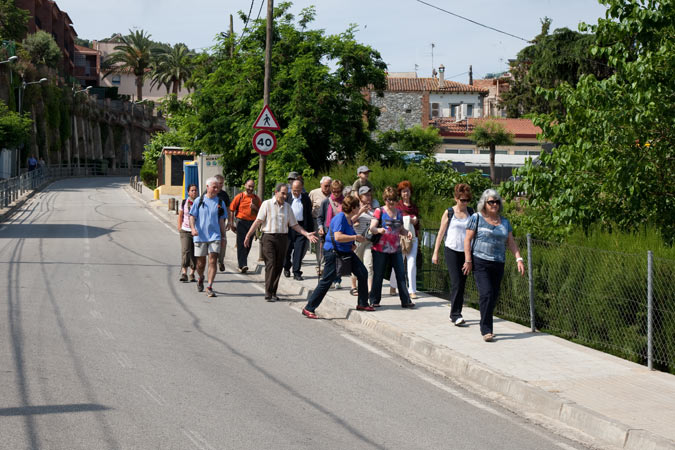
[22, 88]
[87, 89]
[11, 59]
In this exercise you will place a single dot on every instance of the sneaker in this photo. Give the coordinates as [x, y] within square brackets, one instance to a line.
[338, 286]
[183, 278]
[244, 269]
[221, 267]
[192, 278]
[460, 321]
[200, 284]
[209, 292]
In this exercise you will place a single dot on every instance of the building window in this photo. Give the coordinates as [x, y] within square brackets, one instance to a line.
[469, 110]
[527, 152]
[497, 152]
[116, 79]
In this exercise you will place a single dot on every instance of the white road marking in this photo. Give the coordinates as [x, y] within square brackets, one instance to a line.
[154, 395]
[368, 347]
[95, 314]
[565, 446]
[123, 360]
[197, 440]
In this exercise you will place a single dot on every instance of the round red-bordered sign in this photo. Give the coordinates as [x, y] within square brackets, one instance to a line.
[264, 142]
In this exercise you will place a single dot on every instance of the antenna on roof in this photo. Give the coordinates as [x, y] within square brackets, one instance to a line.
[433, 68]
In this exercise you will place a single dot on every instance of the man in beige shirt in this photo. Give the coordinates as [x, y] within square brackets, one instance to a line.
[317, 196]
[276, 217]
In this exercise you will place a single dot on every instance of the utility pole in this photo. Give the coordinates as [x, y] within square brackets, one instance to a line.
[231, 38]
[266, 98]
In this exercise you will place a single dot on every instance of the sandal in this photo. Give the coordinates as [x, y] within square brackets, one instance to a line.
[354, 292]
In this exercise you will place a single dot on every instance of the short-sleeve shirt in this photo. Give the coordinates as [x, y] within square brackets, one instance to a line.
[490, 240]
[390, 240]
[341, 224]
[245, 206]
[207, 219]
[365, 218]
[276, 218]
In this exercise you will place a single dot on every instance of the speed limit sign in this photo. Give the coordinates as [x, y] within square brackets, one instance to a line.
[264, 142]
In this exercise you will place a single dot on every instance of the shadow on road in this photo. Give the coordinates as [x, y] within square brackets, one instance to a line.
[51, 409]
[50, 230]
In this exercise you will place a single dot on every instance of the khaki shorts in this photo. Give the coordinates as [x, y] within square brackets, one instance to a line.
[202, 248]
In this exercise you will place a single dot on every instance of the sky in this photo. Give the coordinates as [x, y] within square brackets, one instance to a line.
[401, 30]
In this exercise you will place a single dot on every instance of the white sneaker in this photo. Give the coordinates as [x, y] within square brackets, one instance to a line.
[337, 286]
[459, 322]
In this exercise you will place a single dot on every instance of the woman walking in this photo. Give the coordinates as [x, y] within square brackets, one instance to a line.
[367, 207]
[340, 240]
[453, 233]
[187, 246]
[493, 234]
[388, 222]
[409, 210]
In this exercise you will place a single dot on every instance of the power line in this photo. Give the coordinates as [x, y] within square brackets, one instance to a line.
[262, 2]
[472, 21]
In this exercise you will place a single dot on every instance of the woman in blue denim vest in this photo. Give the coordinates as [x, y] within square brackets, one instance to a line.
[492, 234]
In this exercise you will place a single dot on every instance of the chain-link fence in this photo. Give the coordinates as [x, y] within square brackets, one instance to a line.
[594, 297]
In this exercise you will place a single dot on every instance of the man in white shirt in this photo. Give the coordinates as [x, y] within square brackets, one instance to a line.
[317, 196]
[301, 206]
[276, 217]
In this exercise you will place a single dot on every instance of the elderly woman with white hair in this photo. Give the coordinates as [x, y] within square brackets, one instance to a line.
[488, 234]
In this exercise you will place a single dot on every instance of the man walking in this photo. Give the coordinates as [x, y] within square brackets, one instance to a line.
[244, 207]
[222, 195]
[207, 222]
[317, 196]
[276, 217]
[301, 206]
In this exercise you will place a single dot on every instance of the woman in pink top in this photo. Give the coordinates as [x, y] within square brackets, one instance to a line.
[388, 222]
[187, 246]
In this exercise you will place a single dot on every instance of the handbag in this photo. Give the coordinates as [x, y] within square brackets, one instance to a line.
[406, 245]
[375, 238]
[343, 261]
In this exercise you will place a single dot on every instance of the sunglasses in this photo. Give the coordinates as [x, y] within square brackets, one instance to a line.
[464, 200]
[493, 202]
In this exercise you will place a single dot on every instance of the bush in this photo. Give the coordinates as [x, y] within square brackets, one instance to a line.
[149, 173]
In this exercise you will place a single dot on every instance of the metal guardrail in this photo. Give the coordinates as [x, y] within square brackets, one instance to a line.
[11, 189]
[620, 303]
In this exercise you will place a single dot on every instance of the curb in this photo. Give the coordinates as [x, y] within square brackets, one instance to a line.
[564, 416]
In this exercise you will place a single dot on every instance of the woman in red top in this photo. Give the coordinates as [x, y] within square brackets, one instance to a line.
[408, 209]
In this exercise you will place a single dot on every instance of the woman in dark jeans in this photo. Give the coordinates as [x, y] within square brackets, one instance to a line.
[493, 234]
[340, 240]
[388, 221]
[452, 232]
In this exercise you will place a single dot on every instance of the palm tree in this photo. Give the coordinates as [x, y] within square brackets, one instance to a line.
[135, 55]
[490, 134]
[173, 68]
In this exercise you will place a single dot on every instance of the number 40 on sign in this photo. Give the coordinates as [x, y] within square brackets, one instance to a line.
[264, 142]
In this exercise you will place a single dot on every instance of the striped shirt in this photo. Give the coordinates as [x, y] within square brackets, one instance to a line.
[276, 218]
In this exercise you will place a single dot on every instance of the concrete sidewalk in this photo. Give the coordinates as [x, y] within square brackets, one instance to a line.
[565, 386]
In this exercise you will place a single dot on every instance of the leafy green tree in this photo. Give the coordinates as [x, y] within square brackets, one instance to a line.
[43, 49]
[173, 68]
[615, 141]
[135, 55]
[316, 95]
[552, 59]
[14, 129]
[13, 21]
[413, 139]
[489, 135]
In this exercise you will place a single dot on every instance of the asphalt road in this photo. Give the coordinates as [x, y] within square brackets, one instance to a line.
[102, 348]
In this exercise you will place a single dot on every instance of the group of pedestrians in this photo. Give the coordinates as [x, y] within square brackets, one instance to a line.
[355, 237]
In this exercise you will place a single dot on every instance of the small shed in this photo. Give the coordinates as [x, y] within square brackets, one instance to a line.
[170, 170]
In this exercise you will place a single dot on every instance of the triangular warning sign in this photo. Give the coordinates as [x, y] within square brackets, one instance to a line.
[266, 120]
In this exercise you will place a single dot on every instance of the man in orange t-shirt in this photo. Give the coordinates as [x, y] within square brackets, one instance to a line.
[245, 209]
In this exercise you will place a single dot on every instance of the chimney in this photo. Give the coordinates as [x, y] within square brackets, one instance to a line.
[470, 75]
[441, 76]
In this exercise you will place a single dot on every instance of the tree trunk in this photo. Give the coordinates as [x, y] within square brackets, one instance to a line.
[139, 88]
[175, 87]
[493, 175]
